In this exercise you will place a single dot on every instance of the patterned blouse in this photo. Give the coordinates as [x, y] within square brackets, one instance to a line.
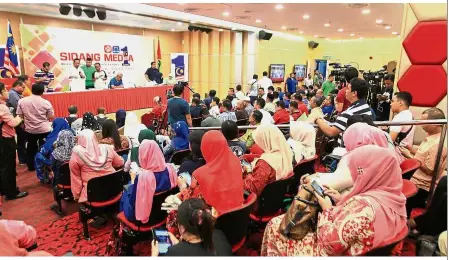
[262, 175]
[345, 232]
[110, 141]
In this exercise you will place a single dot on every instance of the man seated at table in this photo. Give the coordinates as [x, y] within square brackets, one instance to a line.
[116, 82]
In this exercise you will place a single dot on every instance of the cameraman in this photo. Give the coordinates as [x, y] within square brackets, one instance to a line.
[342, 102]
[383, 107]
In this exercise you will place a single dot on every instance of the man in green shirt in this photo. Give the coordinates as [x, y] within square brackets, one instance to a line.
[89, 71]
[315, 77]
[328, 85]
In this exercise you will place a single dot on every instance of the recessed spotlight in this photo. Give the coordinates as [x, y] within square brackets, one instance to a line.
[379, 21]
[366, 11]
[192, 21]
[258, 21]
[395, 33]
[327, 24]
[361, 38]
[306, 16]
[172, 30]
[328, 38]
[398, 36]
[284, 28]
[279, 7]
[352, 34]
[316, 36]
[220, 30]
[157, 21]
[387, 27]
[301, 32]
[181, 3]
[340, 30]
[179, 23]
[225, 13]
[233, 29]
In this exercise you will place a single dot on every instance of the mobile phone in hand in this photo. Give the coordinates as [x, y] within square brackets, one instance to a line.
[163, 239]
[318, 189]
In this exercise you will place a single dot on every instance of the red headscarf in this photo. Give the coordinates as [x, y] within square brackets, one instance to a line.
[220, 180]
[376, 174]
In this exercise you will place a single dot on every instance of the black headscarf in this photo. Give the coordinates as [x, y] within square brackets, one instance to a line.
[89, 122]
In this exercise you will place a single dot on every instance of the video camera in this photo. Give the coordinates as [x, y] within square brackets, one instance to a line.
[375, 80]
[339, 71]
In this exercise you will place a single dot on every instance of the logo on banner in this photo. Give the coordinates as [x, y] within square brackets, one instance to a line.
[107, 49]
[110, 54]
[179, 67]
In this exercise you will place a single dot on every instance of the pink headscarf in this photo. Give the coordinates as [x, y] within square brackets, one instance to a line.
[151, 160]
[360, 134]
[14, 241]
[90, 152]
[376, 174]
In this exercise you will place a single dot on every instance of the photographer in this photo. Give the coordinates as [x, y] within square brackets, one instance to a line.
[383, 107]
[342, 102]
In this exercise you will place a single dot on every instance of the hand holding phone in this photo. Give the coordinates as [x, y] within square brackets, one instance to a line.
[162, 240]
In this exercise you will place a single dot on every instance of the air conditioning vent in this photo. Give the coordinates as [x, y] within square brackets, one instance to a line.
[357, 6]
[292, 29]
[191, 10]
[243, 17]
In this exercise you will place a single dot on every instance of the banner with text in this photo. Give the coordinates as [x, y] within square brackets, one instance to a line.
[128, 54]
[180, 66]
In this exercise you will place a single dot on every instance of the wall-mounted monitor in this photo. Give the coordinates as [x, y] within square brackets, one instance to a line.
[300, 70]
[277, 73]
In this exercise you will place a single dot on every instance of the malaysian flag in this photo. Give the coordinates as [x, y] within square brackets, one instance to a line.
[11, 57]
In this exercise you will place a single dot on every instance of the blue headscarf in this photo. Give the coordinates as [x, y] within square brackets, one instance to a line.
[181, 140]
[120, 117]
[58, 125]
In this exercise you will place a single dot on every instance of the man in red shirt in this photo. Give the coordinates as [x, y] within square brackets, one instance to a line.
[8, 186]
[281, 116]
[158, 109]
[301, 106]
[342, 103]
[294, 110]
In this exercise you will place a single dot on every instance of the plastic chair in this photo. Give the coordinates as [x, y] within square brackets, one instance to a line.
[409, 167]
[136, 231]
[387, 247]
[300, 169]
[409, 189]
[163, 123]
[148, 119]
[178, 156]
[62, 189]
[234, 222]
[101, 199]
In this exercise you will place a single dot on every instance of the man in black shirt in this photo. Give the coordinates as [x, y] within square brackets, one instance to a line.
[153, 74]
[384, 98]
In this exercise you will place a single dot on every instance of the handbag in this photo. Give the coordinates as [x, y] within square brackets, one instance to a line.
[301, 217]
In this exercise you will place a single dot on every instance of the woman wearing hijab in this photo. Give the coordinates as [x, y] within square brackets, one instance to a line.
[146, 134]
[302, 141]
[89, 122]
[76, 126]
[62, 152]
[120, 117]
[89, 160]
[42, 159]
[133, 128]
[112, 137]
[152, 176]
[373, 212]
[274, 164]
[195, 159]
[180, 141]
[219, 182]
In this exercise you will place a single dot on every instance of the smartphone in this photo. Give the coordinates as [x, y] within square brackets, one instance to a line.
[186, 176]
[318, 188]
[163, 239]
[246, 166]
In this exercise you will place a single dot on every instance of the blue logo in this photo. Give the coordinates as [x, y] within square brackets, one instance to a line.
[115, 49]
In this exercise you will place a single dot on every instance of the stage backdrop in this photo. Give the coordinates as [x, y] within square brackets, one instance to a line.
[180, 66]
[129, 54]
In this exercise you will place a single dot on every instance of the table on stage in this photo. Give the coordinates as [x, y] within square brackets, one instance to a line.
[111, 99]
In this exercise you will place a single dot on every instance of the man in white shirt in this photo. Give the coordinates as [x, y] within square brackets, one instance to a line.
[76, 76]
[265, 82]
[259, 106]
[100, 77]
[214, 109]
[253, 87]
[308, 81]
[402, 135]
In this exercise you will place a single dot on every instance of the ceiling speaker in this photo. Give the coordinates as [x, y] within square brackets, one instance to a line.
[313, 44]
[263, 35]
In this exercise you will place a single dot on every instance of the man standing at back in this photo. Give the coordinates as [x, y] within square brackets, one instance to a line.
[308, 81]
[36, 113]
[178, 108]
[291, 84]
[265, 82]
[89, 71]
[208, 100]
[15, 94]
[328, 85]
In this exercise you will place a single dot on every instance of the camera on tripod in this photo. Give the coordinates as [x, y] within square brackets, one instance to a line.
[339, 71]
[375, 80]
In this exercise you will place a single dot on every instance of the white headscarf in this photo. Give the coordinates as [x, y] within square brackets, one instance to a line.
[302, 140]
[133, 128]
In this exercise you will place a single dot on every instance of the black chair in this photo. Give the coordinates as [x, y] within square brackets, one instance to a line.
[271, 201]
[285, 131]
[196, 122]
[300, 169]
[178, 156]
[234, 223]
[136, 231]
[242, 122]
[103, 196]
[62, 188]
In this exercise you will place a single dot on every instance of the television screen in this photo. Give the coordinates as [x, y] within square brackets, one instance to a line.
[277, 72]
[300, 71]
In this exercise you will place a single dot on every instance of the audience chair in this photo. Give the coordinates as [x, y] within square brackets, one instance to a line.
[179, 156]
[148, 119]
[121, 130]
[163, 124]
[387, 247]
[409, 167]
[242, 122]
[255, 149]
[100, 199]
[300, 169]
[409, 189]
[234, 223]
[62, 188]
[136, 231]
[196, 122]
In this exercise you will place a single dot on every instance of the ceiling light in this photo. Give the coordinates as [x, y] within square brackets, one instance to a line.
[328, 38]
[192, 21]
[306, 16]
[233, 29]
[258, 21]
[225, 13]
[352, 34]
[89, 13]
[327, 24]
[101, 14]
[172, 30]
[366, 11]
[300, 32]
[64, 9]
[387, 27]
[279, 7]
[395, 33]
[398, 36]
[284, 28]
[361, 38]
[179, 23]
[379, 21]
[77, 11]
[340, 30]
[220, 30]
[157, 21]
[316, 36]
